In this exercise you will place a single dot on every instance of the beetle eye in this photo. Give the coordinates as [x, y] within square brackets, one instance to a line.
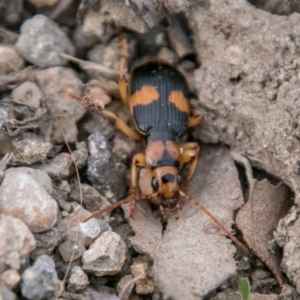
[179, 179]
[155, 183]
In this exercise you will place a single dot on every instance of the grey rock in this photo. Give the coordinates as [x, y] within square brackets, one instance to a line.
[78, 280]
[53, 80]
[10, 60]
[55, 83]
[39, 176]
[288, 293]
[24, 198]
[74, 227]
[98, 123]
[41, 42]
[61, 191]
[91, 198]
[6, 294]
[28, 149]
[80, 155]
[40, 281]
[83, 40]
[11, 12]
[45, 243]
[105, 174]
[15, 244]
[106, 255]
[57, 167]
[101, 22]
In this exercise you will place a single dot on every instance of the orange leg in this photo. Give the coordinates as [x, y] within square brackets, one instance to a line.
[162, 213]
[190, 153]
[123, 70]
[121, 125]
[139, 160]
[196, 118]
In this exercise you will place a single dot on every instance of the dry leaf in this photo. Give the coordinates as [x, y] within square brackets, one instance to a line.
[189, 258]
[259, 218]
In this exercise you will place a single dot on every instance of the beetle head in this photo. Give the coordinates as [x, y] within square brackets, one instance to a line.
[166, 182]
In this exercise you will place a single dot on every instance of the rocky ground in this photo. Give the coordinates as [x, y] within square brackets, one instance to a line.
[62, 161]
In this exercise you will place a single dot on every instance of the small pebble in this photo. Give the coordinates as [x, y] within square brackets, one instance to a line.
[57, 167]
[83, 40]
[74, 228]
[71, 249]
[260, 274]
[31, 203]
[45, 243]
[57, 82]
[107, 55]
[142, 266]
[91, 198]
[106, 175]
[40, 281]
[106, 255]
[123, 282]
[10, 278]
[52, 82]
[42, 41]
[15, 244]
[28, 93]
[29, 148]
[80, 155]
[78, 280]
[10, 60]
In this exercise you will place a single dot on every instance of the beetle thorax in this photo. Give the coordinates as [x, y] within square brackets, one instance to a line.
[163, 152]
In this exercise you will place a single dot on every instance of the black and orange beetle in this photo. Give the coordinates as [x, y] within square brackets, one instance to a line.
[158, 98]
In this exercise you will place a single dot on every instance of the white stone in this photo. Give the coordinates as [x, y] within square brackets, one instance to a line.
[23, 198]
[106, 255]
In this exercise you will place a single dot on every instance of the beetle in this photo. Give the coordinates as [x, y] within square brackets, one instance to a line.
[158, 99]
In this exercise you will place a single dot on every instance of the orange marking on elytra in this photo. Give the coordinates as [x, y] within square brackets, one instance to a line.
[146, 95]
[179, 100]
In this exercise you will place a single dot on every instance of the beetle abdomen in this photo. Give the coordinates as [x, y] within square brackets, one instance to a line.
[159, 98]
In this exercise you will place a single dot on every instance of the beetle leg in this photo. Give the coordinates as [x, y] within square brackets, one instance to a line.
[139, 160]
[178, 209]
[121, 125]
[123, 70]
[162, 213]
[190, 152]
[196, 118]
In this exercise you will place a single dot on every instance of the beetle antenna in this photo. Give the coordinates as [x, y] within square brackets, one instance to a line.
[129, 199]
[213, 218]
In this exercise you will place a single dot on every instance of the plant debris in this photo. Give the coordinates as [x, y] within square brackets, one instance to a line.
[259, 217]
